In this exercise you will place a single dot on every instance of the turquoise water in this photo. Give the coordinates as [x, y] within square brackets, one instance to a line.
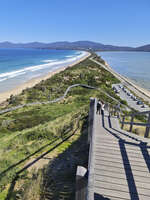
[134, 65]
[18, 66]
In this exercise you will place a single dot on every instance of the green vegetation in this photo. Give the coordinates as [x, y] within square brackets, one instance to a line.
[85, 72]
[138, 130]
[30, 131]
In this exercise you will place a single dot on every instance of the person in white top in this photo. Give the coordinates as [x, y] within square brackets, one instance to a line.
[102, 109]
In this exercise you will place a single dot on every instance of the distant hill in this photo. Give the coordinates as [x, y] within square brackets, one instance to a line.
[143, 48]
[79, 45]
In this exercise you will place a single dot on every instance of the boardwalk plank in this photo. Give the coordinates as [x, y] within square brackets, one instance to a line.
[114, 193]
[119, 180]
[106, 172]
[136, 150]
[103, 158]
[117, 152]
[118, 166]
[121, 170]
[122, 188]
[121, 162]
[115, 156]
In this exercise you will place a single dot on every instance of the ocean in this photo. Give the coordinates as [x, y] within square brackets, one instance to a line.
[18, 66]
[133, 65]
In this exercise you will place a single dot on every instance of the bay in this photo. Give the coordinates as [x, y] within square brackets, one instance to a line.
[133, 65]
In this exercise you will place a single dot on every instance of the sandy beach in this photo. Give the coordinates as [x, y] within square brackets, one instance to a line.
[34, 81]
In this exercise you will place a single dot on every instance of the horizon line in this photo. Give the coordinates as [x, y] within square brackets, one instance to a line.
[12, 42]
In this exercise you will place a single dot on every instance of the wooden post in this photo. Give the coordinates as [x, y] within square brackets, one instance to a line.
[148, 127]
[81, 183]
[122, 122]
[114, 111]
[91, 114]
[131, 125]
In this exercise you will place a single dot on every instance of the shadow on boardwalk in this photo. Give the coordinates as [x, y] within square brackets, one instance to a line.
[142, 145]
[127, 166]
[100, 197]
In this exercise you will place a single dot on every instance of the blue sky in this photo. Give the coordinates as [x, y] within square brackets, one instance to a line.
[117, 22]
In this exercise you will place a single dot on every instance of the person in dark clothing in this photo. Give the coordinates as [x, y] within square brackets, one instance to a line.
[99, 105]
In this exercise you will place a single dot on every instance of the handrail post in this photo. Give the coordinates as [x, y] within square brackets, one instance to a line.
[122, 122]
[148, 127]
[131, 125]
[81, 183]
[90, 126]
[114, 111]
[90, 190]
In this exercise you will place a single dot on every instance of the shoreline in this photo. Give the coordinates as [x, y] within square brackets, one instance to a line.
[31, 83]
[141, 92]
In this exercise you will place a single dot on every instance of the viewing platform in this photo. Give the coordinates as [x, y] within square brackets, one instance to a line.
[119, 161]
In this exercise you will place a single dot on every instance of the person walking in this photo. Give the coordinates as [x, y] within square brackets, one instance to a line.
[117, 110]
[102, 109]
[99, 105]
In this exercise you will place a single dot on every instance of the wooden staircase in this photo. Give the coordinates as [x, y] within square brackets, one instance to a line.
[119, 165]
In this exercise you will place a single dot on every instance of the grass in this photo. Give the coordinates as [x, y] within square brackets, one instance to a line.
[28, 132]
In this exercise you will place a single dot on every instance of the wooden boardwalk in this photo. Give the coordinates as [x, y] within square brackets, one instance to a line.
[119, 164]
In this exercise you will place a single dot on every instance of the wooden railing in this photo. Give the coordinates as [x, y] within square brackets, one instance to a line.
[132, 123]
[59, 98]
[84, 185]
[91, 135]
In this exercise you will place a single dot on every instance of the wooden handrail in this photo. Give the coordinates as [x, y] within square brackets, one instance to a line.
[59, 98]
[147, 128]
[138, 113]
[136, 123]
[92, 116]
[131, 123]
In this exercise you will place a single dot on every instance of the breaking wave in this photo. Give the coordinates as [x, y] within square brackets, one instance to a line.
[47, 64]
